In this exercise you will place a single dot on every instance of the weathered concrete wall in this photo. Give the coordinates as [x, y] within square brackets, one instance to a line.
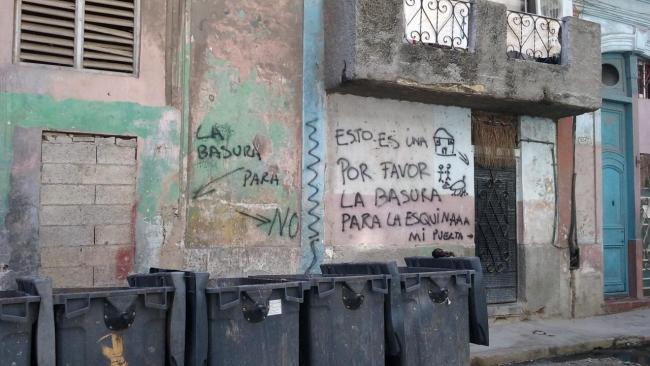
[588, 279]
[366, 55]
[400, 175]
[24, 117]
[643, 116]
[245, 112]
[34, 99]
[63, 83]
[87, 203]
[543, 263]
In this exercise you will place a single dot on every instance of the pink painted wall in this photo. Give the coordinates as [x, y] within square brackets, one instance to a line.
[644, 125]
[61, 83]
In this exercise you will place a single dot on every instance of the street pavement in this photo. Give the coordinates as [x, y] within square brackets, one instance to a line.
[542, 339]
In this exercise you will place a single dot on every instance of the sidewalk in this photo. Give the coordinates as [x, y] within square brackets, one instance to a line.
[535, 339]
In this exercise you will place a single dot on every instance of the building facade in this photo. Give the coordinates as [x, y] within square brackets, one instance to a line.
[241, 138]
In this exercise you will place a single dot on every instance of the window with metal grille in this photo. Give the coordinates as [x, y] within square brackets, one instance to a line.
[82, 34]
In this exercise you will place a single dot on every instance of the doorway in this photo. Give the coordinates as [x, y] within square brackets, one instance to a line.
[616, 192]
[494, 137]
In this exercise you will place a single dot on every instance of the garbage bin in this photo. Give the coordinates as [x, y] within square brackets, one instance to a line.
[196, 328]
[341, 319]
[253, 322]
[143, 324]
[479, 332]
[426, 313]
[26, 326]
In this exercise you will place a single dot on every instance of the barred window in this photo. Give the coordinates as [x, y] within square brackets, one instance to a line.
[81, 34]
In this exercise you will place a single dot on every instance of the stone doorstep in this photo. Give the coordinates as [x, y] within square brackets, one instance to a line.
[508, 356]
[619, 305]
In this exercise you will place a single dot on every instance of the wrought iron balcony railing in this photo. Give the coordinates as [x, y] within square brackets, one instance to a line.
[533, 37]
[437, 22]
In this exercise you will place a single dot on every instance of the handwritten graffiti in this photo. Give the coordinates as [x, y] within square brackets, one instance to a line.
[205, 189]
[217, 133]
[458, 188]
[226, 152]
[371, 221]
[314, 197]
[115, 352]
[463, 158]
[345, 137]
[252, 178]
[286, 223]
[444, 142]
[405, 185]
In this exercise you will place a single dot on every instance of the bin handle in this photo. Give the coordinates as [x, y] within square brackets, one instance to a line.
[415, 286]
[156, 305]
[229, 304]
[74, 313]
[323, 293]
[384, 285]
[15, 318]
[464, 284]
[294, 298]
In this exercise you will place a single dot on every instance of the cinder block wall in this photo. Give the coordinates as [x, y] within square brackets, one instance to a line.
[87, 209]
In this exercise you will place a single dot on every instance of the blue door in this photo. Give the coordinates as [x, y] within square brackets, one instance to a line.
[616, 213]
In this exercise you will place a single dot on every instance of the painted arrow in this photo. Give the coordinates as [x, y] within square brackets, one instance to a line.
[263, 220]
[203, 191]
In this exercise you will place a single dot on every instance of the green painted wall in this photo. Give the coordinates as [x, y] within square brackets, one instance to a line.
[157, 130]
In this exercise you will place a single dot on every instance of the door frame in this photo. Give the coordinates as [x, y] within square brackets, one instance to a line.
[622, 94]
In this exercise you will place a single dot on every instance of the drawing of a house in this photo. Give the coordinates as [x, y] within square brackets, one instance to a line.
[444, 142]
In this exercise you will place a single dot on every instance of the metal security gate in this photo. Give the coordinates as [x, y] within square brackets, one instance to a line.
[496, 231]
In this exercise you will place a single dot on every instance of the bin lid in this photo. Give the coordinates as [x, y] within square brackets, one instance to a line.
[17, 297]
[60, 295]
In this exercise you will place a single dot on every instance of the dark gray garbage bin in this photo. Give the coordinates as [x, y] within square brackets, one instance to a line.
[143, 324]
[196, 327]
[426, 313]
[26, 326]
[479, 332]
[341, 319]
[253, 322]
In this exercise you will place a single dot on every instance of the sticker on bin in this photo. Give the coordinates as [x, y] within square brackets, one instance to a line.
[275, 307]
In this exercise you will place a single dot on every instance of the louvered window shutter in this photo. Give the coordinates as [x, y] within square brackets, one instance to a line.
[85, 34]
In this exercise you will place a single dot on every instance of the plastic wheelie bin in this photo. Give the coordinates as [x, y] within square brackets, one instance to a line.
[479, 332]
[426, 313]
[341, 319]
[143, 324]
[196, 328]
[253, 322]
[26, 324]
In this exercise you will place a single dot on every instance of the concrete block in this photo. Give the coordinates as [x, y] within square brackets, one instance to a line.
[61, 215]
[103, 255]
[80, 276]
[61, 173]
[80, 153]
[113, 234]
[104, 276]
[115, 195]
[126, 141]
[108, 174]
[114, 154]
[66, 235]
[66, 194]
[106, 214]
[57, 137]
[83, 138]
[61, 257]
[104, 140]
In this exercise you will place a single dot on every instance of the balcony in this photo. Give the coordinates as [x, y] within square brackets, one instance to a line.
[469, 53]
